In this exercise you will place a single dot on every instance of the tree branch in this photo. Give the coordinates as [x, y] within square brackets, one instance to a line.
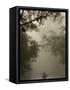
[35, 19]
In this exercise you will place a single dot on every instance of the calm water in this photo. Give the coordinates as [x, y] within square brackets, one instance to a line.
[47, 62]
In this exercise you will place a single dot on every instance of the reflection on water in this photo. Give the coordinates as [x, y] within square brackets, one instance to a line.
[47, 62]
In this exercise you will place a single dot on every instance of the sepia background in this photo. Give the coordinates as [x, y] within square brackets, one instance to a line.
[42, 44]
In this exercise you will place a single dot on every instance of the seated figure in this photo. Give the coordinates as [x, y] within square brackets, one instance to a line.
[44, 75]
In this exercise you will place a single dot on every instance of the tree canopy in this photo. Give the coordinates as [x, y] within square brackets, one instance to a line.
[30, 19]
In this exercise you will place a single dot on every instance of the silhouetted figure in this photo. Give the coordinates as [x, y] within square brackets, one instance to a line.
[44, 75]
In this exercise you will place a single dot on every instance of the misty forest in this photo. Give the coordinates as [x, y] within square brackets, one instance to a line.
[42, 44]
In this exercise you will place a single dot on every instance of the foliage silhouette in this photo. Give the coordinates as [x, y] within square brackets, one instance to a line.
[27, 52]
[57, 46]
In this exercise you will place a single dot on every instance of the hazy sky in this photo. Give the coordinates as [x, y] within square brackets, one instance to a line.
[47, 28]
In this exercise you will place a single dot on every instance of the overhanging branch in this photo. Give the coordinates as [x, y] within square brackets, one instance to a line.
[35, 19]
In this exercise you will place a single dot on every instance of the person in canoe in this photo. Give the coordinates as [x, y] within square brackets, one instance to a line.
[44, 75]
